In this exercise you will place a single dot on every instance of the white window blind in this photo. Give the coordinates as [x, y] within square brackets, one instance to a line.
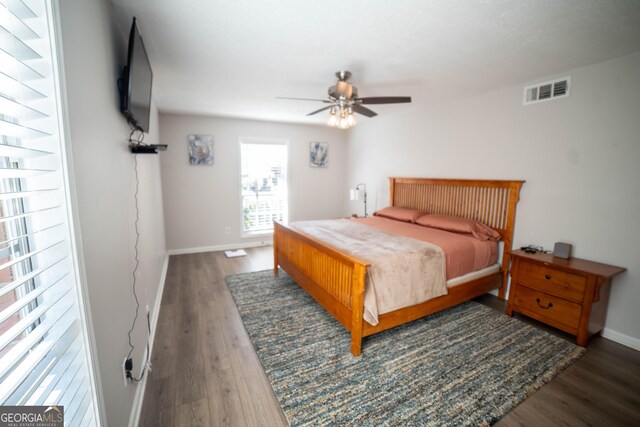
[264, 184]
[44, 357]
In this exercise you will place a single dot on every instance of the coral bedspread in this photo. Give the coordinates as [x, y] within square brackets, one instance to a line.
[464, 253]
[403, 271]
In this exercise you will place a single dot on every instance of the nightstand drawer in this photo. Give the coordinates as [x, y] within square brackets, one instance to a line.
[569, 294]
[552, 281]
[541, 304]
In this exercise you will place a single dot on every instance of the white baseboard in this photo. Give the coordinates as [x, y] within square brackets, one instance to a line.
[623, 339]
[136, 410]
[267, 241]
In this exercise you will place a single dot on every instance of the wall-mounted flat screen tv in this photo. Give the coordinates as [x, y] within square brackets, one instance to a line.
[136, 82]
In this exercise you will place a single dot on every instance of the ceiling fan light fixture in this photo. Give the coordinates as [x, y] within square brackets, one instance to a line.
[351, 120]
[341, 117]
[343, 123]
[333, 118]
[344, 102]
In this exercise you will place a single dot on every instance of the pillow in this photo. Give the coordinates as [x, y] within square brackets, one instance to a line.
[399, 214]
[460, 225]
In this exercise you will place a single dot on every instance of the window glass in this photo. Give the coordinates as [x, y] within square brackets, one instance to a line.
[264, 185]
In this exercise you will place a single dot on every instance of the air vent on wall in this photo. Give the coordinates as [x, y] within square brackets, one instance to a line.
[546, 91]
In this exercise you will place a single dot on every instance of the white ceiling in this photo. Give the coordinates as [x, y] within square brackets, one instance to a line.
[234, 57]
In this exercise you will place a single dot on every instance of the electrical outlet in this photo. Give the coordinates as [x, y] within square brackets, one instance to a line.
[127, 367]
[124, 372]
[227, 230]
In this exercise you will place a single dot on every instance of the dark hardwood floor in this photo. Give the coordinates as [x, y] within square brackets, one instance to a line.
[206, 373]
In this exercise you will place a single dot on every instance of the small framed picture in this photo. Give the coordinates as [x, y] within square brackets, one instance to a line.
[200, 149]
[318, 154]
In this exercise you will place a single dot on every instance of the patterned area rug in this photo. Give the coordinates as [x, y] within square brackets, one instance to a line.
[469, 365]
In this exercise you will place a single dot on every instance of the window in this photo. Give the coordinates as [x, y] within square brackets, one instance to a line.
[44, 355]
[264, 184]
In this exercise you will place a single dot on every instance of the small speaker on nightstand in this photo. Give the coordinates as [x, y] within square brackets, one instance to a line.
[562, 250]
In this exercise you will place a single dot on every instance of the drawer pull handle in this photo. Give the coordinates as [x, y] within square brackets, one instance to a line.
[542, 306]
[548, 277]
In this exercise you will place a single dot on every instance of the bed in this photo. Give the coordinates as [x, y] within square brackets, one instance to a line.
[336, 279]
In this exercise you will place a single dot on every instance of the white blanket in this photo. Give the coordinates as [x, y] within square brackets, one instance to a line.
[403, 271]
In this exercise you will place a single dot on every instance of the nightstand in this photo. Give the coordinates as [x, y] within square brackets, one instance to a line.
[568, 294]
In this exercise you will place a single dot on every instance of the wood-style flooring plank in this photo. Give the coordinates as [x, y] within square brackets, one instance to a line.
[595, 397]
[234, 334]
[259, 403]
[194, 414]
[159, 407]
[214, 344]
[209, 282]
[225, 407]
[202, 354]
[163, 359]
[190, 383]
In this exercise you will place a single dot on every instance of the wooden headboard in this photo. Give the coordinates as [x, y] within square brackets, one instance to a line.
[492, 202]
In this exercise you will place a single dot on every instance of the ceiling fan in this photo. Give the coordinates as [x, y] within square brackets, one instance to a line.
[344, 102]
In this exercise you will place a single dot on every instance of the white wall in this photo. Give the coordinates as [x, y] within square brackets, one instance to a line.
[94, 46]
[200, 201]
[580, 157]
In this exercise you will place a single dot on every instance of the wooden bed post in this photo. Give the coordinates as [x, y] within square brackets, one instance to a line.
[357, 308]
[275, 249]
[514, 197]
[392, 190]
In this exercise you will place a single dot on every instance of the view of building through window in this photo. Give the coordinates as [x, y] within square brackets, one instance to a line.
[44, 353]
[14, 244]
[264, 184]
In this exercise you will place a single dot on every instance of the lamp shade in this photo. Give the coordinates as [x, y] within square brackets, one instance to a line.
[354, 194]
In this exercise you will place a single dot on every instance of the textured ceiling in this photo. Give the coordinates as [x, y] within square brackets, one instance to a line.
[234, 57]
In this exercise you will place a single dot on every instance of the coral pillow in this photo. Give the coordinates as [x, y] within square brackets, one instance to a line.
[399, 214]
[460, 225]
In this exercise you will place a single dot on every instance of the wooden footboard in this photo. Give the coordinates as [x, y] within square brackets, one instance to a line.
[337, 280]
[333, 278]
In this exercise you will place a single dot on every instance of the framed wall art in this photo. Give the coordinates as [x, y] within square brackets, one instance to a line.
[200, 149]
[318, 154]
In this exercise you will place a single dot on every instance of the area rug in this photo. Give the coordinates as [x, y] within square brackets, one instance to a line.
[468, 365]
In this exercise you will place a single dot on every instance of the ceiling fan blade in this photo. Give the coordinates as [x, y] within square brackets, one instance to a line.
[317, 111]
[304, 99]
[364, 111]
[385, 99]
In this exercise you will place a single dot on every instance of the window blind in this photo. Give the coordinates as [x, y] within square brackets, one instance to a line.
[44, 357]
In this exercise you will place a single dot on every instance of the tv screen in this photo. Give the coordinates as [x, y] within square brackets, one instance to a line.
[136, 82]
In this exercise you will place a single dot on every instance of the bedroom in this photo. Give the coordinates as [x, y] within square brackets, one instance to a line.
[578, 155]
